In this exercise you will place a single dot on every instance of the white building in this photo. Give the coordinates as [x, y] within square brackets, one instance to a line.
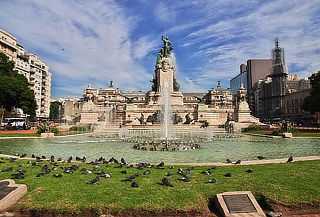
[34, 69]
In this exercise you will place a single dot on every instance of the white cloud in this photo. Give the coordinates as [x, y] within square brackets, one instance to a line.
[84, 41]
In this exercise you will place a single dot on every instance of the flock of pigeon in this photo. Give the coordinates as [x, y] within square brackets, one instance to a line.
[54, 165]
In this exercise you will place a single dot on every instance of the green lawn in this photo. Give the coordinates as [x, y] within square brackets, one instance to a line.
[289, 184]
[19, 135]
[306, 134]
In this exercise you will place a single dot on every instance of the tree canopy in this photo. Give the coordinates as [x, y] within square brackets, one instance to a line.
[14, 89]
[312, 102]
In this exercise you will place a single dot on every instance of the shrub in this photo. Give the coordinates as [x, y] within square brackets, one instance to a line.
[77, 128]
[42, 130]
[252, 128]
[55, 131]
[293, 130]
[276, 132]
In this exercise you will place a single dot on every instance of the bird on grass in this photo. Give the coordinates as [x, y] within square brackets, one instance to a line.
[229, 161]
[166, 182]
[290, 159]
[249, 170]
[184, 179]
[57, 175]
[261, 157]
[211, 181]
[228, 174]
[147, 172]
[106, 175]
[94, 181]
[134, 185]
[160, 165]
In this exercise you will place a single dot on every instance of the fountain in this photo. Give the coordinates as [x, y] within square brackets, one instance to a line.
[166, 122]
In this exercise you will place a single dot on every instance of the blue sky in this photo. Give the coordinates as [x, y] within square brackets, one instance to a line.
[101, 40]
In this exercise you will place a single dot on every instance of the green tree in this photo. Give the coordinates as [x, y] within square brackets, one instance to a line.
[312, 103]
[14, 89]
[56, 110]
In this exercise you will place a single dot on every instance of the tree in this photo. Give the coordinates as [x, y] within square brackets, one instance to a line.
[312, 102]
[56, 110]
[14, 89]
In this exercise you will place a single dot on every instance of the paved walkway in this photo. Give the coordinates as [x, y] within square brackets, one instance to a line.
[252, 162]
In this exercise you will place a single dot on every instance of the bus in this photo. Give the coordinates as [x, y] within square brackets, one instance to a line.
[15, 123]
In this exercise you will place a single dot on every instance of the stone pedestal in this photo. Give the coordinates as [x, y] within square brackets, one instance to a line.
[287, 135]
[47, 135]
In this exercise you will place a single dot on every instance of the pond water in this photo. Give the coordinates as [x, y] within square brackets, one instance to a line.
[218, 150]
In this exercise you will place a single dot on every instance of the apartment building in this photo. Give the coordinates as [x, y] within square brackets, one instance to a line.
[33, 68]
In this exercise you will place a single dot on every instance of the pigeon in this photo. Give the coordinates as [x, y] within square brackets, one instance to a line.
[40, 174]
[33, 156]
[169, 173]
[123, 161]
[57, 175]
[18, 176]
[160, 165]
[228, 175]
[70, 159]
[211, 181]
[132, 177]
[249, 171]
[134, 185]
[43, 157]
[7, 169]
[261, 157]
[238, 162]
[106, 175]
[23, 156]
[52, 158]
[290, 159]
[147, 172]
[123, 172]
[229, 161]
[94, 181]
[171, 167]
[184, 179]
[206, 172]
[166, 182]
[180, 171]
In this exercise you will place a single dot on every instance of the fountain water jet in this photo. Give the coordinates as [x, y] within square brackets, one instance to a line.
[167, 123]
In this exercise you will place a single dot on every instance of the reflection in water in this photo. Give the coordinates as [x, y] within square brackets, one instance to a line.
[218, 150]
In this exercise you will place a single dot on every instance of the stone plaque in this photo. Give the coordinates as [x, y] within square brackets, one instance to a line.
[10, 193]
[239, 203]
[5, 189]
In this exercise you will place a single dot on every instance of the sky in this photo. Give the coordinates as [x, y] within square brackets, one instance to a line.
[98, 41]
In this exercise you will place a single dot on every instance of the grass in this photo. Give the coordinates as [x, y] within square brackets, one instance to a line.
[262, 132]
[19, 135]
[289, 184]
[306, 134]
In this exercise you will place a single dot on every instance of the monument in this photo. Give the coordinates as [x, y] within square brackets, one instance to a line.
[185, 110]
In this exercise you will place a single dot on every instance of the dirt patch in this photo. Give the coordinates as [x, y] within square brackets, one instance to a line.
[302, 209]
[19, 131]
[93, 213]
